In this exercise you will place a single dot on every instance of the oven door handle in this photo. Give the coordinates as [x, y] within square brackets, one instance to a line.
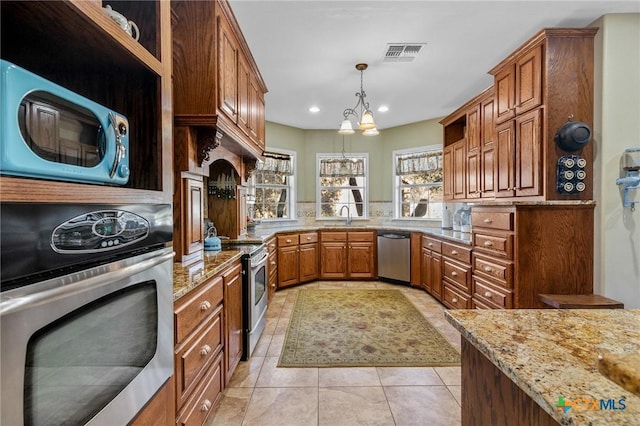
[82, 281]
[260, 262]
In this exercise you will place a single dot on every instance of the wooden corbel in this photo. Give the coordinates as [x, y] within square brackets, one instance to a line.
[208, 139]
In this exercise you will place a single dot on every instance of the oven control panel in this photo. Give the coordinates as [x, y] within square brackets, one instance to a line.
[99, 231]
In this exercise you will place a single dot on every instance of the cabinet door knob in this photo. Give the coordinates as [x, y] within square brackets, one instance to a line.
[205, 305]
[454, 252]
[454, 300]
[487, 294]
[206, 405]
[488, 220]
[205, 350]
[454, 274]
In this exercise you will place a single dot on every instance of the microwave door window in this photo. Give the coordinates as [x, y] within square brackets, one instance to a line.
[59, 132]
[78, 364]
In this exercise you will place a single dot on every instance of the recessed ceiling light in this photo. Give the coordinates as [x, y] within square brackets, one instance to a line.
[383, 108]
[314, 109]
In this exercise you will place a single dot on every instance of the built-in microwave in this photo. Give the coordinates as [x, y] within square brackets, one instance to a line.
[50, 132]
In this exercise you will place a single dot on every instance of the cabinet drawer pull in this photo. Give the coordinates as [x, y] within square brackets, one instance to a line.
[454, 274]
[454, 252]
[206, 405]
[488, 269]
[488, 243]
[288, 241]
[205, 350]
[205, 305]
[272, 246]
[454, 300]
[308, 238]
[430, 244]
[488, 220]
[273, 262]
[488, 294]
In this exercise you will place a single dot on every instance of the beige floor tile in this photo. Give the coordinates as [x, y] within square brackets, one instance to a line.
[275, 347]
[283, 407]
[451, 376]
[246, 373]
[408, 376]
[366, 406]
[282, 326]
[271, 376]
[364, 376]
[456, 391]
[270, 325]
[262, 347]
[423, 405]
[232, 407]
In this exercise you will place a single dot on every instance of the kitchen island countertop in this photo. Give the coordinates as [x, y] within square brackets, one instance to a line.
[553, 353]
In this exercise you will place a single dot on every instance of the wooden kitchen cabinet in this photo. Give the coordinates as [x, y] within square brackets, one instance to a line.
[59, 49]
[297, 258]
[217, 83]
[522, 250]
[232, 279]
[472, 142]
[272, 266]
[189, 242]
[536, 90]
[456, 276]
[348, 254]
[448, 175]
[199, 346]
[160, 411]
[432, 266]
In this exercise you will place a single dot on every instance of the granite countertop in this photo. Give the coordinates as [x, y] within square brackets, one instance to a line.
[188, 277]
[260, 235]
[553, 353]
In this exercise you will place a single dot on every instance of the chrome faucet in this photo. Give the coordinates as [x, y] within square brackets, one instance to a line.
[348, 214]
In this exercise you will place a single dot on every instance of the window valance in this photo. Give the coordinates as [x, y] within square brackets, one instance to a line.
[280, 164]
[342, 167]
[423, 162]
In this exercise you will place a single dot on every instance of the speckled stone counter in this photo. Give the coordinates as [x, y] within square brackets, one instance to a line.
[188, 277]
[263, 234]
[553, 353]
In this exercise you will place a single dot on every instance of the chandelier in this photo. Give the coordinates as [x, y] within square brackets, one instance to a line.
[360, 111]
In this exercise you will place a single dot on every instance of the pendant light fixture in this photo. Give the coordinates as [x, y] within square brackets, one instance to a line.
[360, 111]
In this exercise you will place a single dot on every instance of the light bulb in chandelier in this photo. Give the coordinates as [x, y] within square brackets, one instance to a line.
[366, 121]
[371, 132]
[346, 128]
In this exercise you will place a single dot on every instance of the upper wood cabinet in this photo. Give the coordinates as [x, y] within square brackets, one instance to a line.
[537, 88]
[217, 84]
[76, 45]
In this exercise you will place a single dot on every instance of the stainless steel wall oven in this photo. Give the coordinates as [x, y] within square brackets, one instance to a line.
[85, 311]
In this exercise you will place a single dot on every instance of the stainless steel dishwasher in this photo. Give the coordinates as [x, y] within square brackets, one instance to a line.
[394, 256]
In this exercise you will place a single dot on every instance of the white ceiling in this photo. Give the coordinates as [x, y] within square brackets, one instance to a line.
[307, 50]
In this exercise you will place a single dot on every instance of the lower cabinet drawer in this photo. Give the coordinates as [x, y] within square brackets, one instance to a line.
[477, 304]
[458, 273]
[498, 245]
[454, 298]
[494, 268]
[191, 309]
[287, 240]
[197, 352]
[201, 404]
[487, 292]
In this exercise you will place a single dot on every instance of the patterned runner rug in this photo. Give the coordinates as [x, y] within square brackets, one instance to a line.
[362, 328]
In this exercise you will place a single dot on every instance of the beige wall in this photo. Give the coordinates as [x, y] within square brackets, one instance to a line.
[307, 143]
[616, 127]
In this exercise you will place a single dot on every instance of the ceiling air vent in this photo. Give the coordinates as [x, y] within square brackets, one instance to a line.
[402, 52]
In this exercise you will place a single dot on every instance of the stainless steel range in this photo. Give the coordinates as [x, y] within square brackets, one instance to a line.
[254, 293]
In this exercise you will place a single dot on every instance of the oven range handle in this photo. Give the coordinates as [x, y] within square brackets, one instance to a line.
[259, 263]
[82, 281]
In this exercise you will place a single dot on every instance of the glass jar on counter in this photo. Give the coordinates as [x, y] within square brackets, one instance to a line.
[465, 218]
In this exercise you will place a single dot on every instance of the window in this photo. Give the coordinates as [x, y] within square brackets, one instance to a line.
[272, 195]
[418, 183]
[342, 183]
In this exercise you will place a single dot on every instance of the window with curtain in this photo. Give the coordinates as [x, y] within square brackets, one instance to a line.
[342, 182]
[418, 184]
[272, 195]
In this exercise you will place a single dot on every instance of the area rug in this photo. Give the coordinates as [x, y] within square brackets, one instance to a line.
[362, 328]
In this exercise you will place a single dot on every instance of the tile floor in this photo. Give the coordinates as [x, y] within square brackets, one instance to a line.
[260, 394]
